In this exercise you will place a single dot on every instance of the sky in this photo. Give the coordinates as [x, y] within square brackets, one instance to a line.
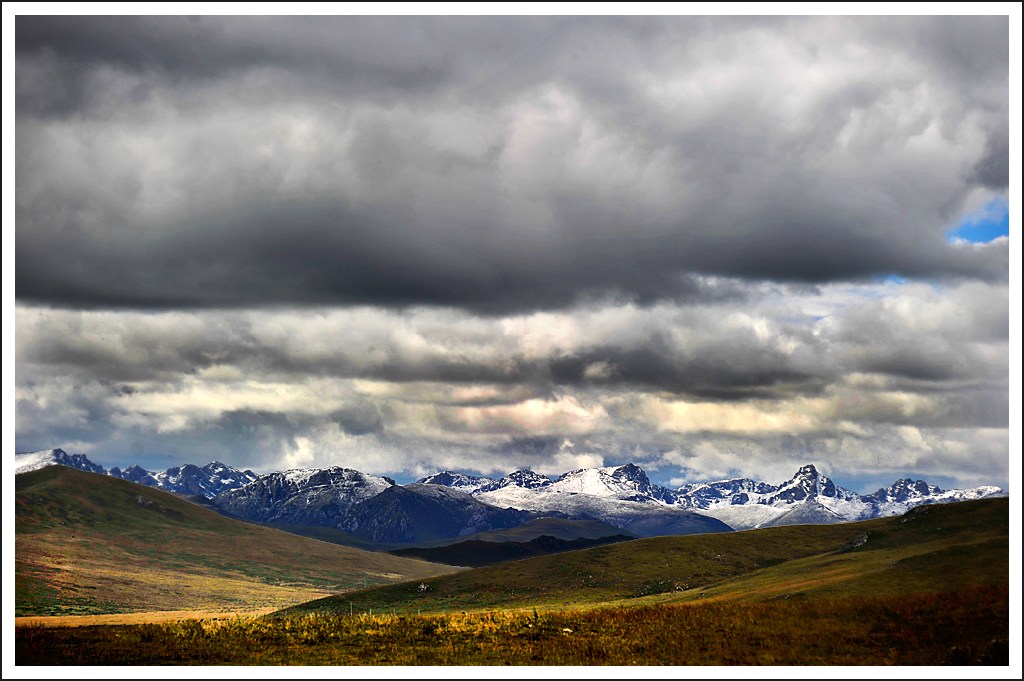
[713, 246]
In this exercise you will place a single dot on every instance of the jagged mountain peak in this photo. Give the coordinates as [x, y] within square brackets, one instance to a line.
[30, 461]
[631, 471]
[808, 483]
[624, 494]
[460, 481]
[524, 477]
[628, 482]
[219, 468]
[906, 489]
[807, 470]
[329, 476]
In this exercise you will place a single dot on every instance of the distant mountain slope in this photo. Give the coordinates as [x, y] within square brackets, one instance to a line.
[421, 513]
[207, 481]
[26, 462]
[809, 497]
[475, 553]
[91, 543]
[642, 518]
[459, 481]
[932, 549]
[560, 528]
[305, 496]
[625, 483]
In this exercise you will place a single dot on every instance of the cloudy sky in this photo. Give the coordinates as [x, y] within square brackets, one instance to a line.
[712, 246]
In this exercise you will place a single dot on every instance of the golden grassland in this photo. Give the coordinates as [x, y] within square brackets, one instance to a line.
[967, 627]
[91, 544]
[927, 588]
[151, 617]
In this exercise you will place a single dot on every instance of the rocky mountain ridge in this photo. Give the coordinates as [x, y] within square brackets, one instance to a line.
[452, 504]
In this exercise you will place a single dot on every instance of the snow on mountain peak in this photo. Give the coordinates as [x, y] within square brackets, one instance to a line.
[524, 478]
[628, 482]
[906, 489]
[606, 492]
[31, 461]
[808, 483]
[459, 481]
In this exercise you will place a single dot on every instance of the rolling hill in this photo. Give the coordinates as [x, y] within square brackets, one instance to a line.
[89, 543]
[928, 588]
[938, 548]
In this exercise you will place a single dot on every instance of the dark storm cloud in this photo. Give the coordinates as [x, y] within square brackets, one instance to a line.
[733, 371]
[495, 164]
[993, 169]
[715, 360]
[360, 419]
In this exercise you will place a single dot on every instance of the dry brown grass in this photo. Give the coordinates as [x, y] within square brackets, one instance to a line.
[966, 627]
[155, 617]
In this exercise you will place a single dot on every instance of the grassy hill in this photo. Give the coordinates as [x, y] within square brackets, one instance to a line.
[87, 543]
[928, 588]
[940, 548]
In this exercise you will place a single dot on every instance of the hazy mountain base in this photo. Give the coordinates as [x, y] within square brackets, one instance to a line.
[560, 528]
[475, 553]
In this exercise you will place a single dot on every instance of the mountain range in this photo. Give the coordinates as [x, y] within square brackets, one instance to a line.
[452, 505]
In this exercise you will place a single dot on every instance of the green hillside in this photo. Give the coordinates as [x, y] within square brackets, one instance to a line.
[87, 543]
[934, 548]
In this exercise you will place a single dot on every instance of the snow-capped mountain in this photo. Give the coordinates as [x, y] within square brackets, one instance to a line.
[425, 512]
[622, 496]
[904, 494]
[207, 481]
[32, 461]
[302, 496]
[523, 478]
[905, 490]
[704, 494]
[809, 484]
[377, 509]
[809, 497]
[135, 473]
[642, 518]
[627, 483]
[459, 481]
[212, 479]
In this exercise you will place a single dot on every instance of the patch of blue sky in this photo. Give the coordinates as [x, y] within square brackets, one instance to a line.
[989, 222]
[891, 279]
